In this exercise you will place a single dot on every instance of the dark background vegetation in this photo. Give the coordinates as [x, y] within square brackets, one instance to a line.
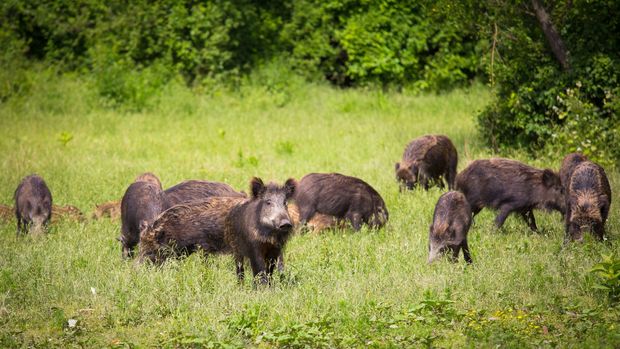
[554, 93]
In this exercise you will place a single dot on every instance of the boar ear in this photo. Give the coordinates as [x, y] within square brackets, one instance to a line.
[257, 186]
[550, 178]
[289, 187]
[397, 166]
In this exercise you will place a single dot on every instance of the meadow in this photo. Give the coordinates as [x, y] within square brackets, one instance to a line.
[340, 289]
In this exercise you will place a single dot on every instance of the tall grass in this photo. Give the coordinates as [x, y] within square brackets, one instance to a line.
[371, 288]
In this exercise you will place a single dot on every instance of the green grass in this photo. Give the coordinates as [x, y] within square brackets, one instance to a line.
[341, 289]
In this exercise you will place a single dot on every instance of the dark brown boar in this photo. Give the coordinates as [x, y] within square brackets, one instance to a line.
[259, 228]
[33, 205]
[317, 223]
[568, 166]
[149, 178]
[510, 186]
[427, 159]
[340, 196]
[196, 190]
[67, 212]
[588, 199]
[110, 209]
[451, 222]
[142, 203]
[186, 228]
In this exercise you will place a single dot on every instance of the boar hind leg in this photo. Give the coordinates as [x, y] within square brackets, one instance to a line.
[501, 217]
[281, 263]
[305, 214]
[466, 253]
[240, 270]
[355, 219]
[451, 176]
[528, 216]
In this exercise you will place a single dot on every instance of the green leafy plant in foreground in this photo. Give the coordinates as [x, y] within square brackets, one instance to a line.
[608, 271]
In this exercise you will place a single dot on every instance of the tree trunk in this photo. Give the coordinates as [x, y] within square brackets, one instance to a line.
[552, 35]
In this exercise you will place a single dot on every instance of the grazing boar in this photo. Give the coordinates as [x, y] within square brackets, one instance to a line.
[568, 166]
[317, 223]
[259, 228]
[510, 186]
[588, 199]
[142, 203]
[186, 228]
[149, 178]
[33, 205]
[451, 222]
[340, 196]
[427, 159]
[67, 212]
[195, 190]
[110, 209]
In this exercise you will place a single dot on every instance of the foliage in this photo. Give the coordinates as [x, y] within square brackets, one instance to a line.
[538, 105]
[390, 42]
[608, 272]
[132, 48]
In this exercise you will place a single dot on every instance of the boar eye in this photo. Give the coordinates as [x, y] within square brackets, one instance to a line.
[268, 202]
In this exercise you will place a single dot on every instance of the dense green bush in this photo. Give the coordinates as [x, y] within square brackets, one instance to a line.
[539, 105]
[389, 42]
[126, 45]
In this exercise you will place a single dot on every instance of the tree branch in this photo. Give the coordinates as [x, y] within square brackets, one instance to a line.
[551, 34]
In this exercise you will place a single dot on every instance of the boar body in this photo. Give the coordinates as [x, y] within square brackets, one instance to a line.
[588, 199]
[451, 222]
[33, 205]
[259, 228]
[186, 228]
[510, 186]
[141, 204]
[427, 160]
[340, 196]
[568, 166]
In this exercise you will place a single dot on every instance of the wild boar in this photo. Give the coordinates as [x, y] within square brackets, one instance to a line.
[142, 203]
[510, 186]
[427, 159]
[259, 228]
[186, 228]
[340, 196]
[451, 222]
[588, 199]
[33, 205]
